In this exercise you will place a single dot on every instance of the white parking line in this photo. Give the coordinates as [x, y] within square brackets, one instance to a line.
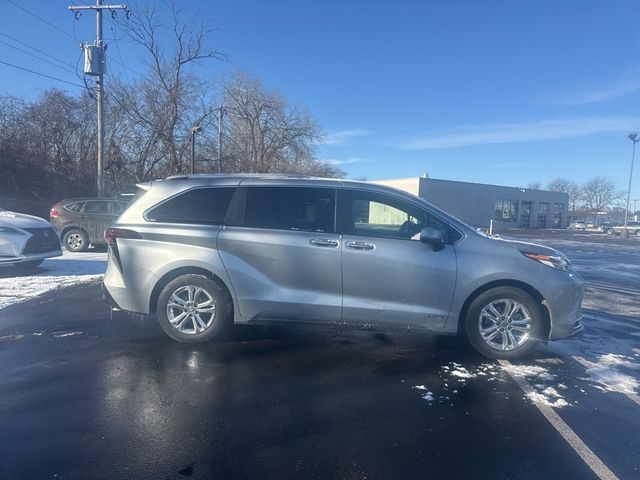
[586, 363]
[590, 458]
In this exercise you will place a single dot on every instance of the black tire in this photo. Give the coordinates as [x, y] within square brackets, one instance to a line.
[75, 240]
[611, 231]
[533, 308]
[222, 318]
[30, 265]
[637, 233]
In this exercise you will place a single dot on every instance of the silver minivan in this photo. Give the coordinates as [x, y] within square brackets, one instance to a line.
[202, 252]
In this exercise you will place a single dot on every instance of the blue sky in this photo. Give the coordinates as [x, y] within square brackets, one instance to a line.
[504, 92]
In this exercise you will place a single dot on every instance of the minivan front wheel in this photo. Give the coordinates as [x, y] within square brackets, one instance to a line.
[193, 309]
[504, 322]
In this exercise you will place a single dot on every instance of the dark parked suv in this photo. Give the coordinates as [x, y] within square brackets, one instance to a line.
[81, 222]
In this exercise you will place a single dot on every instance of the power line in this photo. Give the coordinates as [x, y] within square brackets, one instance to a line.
[67, 69]
[41, 74]
[48, 55]
[41, 19]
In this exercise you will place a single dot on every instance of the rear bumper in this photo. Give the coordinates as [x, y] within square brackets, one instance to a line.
[109, 300]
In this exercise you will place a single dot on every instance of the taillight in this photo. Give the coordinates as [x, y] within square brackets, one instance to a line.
[54, 213]
[111, 234]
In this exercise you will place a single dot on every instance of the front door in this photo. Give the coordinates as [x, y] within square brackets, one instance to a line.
[283, 259]
[389, 276]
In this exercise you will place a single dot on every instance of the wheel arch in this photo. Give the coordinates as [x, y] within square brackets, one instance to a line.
[506, 283]
[177, 272]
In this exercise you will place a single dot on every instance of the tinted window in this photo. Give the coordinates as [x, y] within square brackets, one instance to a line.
[200, 205]
[291, 208]
[96, 206]
[74, 207]
[118, 207]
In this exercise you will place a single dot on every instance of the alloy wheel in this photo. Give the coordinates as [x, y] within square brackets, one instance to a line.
[191, 309]
[505, 324]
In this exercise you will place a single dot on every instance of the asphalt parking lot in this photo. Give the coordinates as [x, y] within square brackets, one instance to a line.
[87, 394]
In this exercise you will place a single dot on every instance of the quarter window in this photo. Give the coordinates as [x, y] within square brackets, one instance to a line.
[199, 205]
[74, 207]
[291, 208]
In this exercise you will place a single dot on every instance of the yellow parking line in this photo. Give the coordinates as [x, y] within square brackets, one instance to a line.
[586, 363]
[581, 448]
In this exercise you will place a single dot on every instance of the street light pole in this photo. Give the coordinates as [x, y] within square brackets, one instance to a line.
[194, 130]
[633, 136]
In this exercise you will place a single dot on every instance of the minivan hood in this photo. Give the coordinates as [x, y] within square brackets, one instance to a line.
[532, 247]
[21, 220]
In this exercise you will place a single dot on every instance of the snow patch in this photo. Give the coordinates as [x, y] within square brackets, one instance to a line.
[529, 372]
[608, 378]
[549, 397]
[59, 272]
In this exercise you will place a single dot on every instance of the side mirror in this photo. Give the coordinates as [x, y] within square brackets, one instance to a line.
[433, 237]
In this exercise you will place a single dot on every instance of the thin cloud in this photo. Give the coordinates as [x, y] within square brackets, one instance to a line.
[346, 161]
[620, 87]
[487, 134]
[345, 136]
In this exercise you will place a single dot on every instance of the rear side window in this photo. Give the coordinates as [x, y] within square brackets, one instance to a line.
[118, 207]
[96, 206]
[200, 205]
[74, 207]
[291, 208]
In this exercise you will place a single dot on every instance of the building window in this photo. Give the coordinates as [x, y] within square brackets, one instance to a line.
[525, 213]
[558, 208]
[543, 210]
[506, 211]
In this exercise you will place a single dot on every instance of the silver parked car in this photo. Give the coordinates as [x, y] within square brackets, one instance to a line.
[25, 240]
[203, 252]
[632, 227]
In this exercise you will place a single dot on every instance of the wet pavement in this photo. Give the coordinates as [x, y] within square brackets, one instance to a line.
[84, 394]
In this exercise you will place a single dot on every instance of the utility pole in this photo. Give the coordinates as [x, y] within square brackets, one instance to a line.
[221, 111]
[95, 64]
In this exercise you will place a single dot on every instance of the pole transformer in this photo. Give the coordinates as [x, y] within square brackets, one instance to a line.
[95, 62]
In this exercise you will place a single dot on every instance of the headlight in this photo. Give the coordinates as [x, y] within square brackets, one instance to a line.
[553, 261]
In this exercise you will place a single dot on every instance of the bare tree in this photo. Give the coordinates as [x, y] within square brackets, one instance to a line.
[534, 185]
[572, 189]
[599, 194]
[264, 133]
[150, 135]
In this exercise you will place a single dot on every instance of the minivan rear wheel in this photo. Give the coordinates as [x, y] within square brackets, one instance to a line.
[193, 309]
[504, 323]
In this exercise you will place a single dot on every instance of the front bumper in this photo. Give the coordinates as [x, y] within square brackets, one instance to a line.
[30, 257]
[563, 297]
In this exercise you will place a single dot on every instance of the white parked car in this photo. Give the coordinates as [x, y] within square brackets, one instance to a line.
[25, 240]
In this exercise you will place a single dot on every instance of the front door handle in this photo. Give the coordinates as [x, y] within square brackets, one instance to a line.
[356, 245]
[323, 242]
